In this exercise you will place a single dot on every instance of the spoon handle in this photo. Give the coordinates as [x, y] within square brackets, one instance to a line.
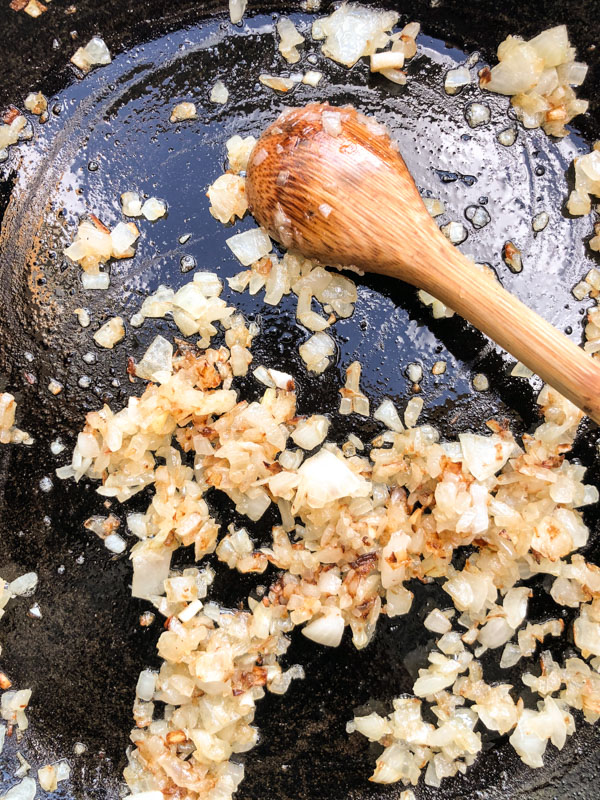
[520, 331]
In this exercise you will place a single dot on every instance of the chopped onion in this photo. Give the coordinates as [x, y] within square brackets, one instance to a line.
[507, 137]
[311, 432]
[455, 80]
[131, 203]
[277, 82]
[250, 246]
[434, 207]
[24, 586]
[157, 362]
[236, 12]
[110, 333]
[290, 38]
[180, 113]
[312, 77]
[388, 414]
[219, 93]
[412, 411]
[326, 630]
[353, 31]
[94, 54]
[324, 478]
[154, 209]
[455, 232]
[477, 114]
[25, 790]
[99, 281]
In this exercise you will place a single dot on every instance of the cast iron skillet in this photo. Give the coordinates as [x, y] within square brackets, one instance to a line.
[110, 132]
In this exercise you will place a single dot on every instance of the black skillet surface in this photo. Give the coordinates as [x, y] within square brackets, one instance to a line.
[109, 133]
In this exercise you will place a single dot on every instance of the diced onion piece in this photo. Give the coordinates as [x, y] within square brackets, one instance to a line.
[36, 103]
[24, 586]
[110, 333]
[94, 54]
[131, 204]
[353, 31]
[325, 478]
[312, 77]
[389, 60]
[412, 411]
[99, 281]
[455, 232]
[154, 209]
[434, 206]
[219, 93]
[238, 152]
[326, 630]
[311, 432]
[157, 362]
[290, 38]
[182, 112]
[477, 114]
[316, 352]
[250, 246]
[236, 12]
[507, 137]
[455, 80]
[277, 82]
[388, 414]
[122, 237]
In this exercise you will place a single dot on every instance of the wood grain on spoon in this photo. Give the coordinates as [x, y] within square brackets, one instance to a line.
[330, 183]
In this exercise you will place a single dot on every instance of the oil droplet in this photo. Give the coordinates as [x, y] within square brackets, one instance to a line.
[540, 171]
[93, 166]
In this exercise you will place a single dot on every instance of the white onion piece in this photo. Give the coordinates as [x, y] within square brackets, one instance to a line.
[485, 455]
[455, 80]
[146, 685]
[157, 362]
[277, 82]
[95, 53]
[388, 414]
[437, 622]
[455, 232]
[312, 77]
[250, 246]
[25, 585]
[290, 38]
[47, 778]
[309, 433]
[412, 411]
[236, 12]
[183, 111]
[99, 281]
[481, 382]
[131, 204]
[150, 570]
[122, 237]
[22, 791]
[326, 630]
[477, 114]
[325, 478]
[154, 209]
[110, 333]
[115, 543]
[219, 93]
[353, 31]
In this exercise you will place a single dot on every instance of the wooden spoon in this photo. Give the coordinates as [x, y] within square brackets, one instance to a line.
[329, 183]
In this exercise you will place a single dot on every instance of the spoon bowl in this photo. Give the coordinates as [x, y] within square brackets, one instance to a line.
[330, 183]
